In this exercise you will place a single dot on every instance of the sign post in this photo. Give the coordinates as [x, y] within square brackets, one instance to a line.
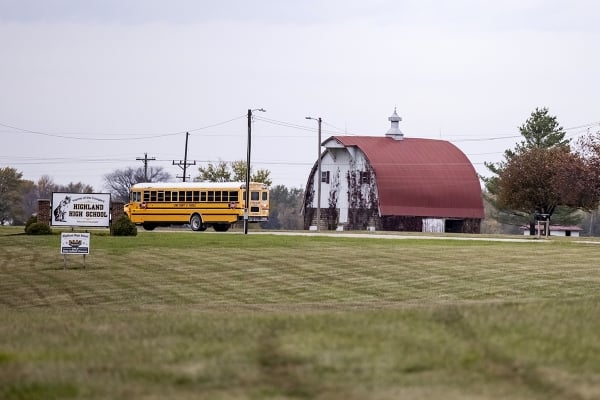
[74, 243]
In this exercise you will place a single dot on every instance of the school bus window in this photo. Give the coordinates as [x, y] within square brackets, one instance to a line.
[211, 195]
[167, 196]
[173, 196]
[161, 196]
[217, 195]
[233, 196]
[146, 196]
[196, 195]
[254, 196]
[265, 196]
[188, 195]
[224, 196]
[202, 196]
[153, 195]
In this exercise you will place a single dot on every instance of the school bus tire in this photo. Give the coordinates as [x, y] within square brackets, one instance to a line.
[221, 227]
[196, 223]
[148, 226]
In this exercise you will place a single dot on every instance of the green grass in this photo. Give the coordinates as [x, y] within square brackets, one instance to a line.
[228, 316]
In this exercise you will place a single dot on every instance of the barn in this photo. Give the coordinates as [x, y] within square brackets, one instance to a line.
[393, 183]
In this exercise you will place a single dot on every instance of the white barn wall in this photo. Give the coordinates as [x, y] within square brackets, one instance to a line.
[339, 162]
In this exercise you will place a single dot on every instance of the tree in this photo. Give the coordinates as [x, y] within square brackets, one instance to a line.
[538, 180]
[29, 195]
[234, 171]
[76, 187]
[262, 175]
[588, 148]
[11, 199]
[215, 173]
[285, 206]
[120, 181]
[540, 130]
[239, 170]
[45, 187]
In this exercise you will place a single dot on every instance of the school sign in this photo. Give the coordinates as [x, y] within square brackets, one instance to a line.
[74, 243]
[81, 209]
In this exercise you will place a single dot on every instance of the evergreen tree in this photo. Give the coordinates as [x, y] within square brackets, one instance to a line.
[541, 130]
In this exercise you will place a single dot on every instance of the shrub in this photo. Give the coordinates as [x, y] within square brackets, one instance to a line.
[38, 228]
[124, 227]
[31, 220]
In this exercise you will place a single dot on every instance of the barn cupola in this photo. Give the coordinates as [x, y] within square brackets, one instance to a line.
[394, 132]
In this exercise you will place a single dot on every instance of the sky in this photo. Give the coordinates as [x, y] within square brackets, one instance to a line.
[88, 87]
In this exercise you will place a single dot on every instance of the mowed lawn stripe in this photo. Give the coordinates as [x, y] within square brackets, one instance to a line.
[350, 271]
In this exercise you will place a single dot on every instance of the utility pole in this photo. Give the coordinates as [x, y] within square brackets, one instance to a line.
[319, 178]
[247, 199]
[183, 164]
[145, 160]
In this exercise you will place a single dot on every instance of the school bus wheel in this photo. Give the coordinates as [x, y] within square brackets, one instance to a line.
[148, 226]
[196, 223]
[221, 227]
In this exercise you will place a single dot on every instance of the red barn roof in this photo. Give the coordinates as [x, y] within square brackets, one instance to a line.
[421, 177]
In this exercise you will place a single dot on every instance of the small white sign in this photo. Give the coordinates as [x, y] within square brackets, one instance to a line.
[81, 209]
[74, 243]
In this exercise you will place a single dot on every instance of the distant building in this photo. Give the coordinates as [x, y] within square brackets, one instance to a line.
[555, 230]
[394, 183]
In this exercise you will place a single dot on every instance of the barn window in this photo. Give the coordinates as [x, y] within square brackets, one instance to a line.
[365, 177]
[325, 176]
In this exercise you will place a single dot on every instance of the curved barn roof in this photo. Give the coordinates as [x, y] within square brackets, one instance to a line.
[420, 177]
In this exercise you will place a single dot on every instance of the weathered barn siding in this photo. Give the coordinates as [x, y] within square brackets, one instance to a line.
[348, 191]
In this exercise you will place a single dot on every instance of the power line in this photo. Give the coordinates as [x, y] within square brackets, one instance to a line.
[291, 125]
[63, 135]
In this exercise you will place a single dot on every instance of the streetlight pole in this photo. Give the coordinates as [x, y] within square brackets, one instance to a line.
[319, 179]
[247, 199]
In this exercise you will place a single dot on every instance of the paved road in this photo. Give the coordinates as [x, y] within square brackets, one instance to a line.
[397, 236]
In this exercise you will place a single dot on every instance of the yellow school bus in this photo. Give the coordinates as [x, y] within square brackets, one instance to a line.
[199, 204]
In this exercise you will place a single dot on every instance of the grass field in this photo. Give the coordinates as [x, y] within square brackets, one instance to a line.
[183, 315]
